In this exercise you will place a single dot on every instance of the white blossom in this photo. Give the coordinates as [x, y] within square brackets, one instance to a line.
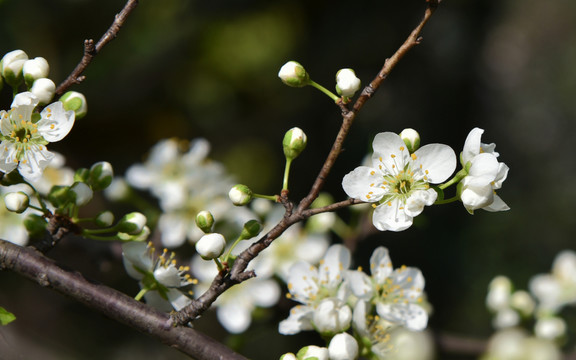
[347, 83]
[399, 182]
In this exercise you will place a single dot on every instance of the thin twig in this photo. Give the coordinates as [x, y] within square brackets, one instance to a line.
[34, 266]
[238, 271]
[91, 49]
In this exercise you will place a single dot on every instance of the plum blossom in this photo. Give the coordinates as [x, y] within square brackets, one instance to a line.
[398, 183]
[558, 288]
[485, 175]
[24, 139]
[397, 294]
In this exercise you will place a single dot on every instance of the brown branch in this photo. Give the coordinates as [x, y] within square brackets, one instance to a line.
[31, 264]
[91, 49]
[292, 216]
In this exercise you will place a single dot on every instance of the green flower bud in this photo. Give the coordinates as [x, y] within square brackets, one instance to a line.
[141, 236]
[411, 139]
[82, 193]
[205, 221]
[75, 101]
[132, 224]
[211, 246]
[240, 195]
[288, 356]
[104, 219]
[294, 143]
[35, 225]
[293, 74]
[313, 352]
[35, 69]
[101, 175]
[251, 228]
[12, 64]
[16, 201]
[44, 90]
[82, 175]
[60, 195]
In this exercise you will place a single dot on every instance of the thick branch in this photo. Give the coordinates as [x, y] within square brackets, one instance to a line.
[33, 265]
[91, 49]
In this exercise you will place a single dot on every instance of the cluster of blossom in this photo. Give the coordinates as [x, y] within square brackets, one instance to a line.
[377, 309]
[548, 295]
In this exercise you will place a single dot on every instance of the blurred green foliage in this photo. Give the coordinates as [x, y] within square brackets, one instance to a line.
[184, 68]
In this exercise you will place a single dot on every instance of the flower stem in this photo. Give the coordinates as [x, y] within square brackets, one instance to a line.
[286, 174]
[267, 197]
[141, 294]
[225, 258]
[456, 179]
[447, 201]
[329, 93]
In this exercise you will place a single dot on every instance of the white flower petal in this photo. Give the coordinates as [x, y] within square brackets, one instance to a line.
[302, 281]
[416, 202]
[484, 165]
[411, 316]
[390, 151]
[56, 122]
[335, 262]
[363, 183]
[472, 145]
[360, 284]
[497, 205]
[265, 293]
[34, 162]
[234, 317]
[389, 216]
[299, 320]
[380, 265]
[438, 160]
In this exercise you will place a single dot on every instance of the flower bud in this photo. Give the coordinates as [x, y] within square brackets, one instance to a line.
[35, 225]
[251, 228]
[82, 193]
[105, 218]
[11, 69]
[294, 143]
[35, 69]
[550, 328]
[499, 291]
[132, 223]
[523, 302]
[141, 236]
[205, 221]
[288, 356]
[44, 90]
[240, 195]
[59, 195]
[343, 347]
[101, 175]
[313, 352]
[293, 74]
[118, 190]
[75, 101]
[211, 246]
[411, 139]
[347, 83]
[16, 201]
[332, 316]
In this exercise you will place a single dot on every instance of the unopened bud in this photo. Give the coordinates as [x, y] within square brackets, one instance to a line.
[75, 101]
[101, 175]
[132, 223]
[293, 74]
[343, 346]
[16, 201]
[294, 143]
[347, 83]
[35, 69]
[82, 193]
[11, 68]
[205, 221]
[211, 246]
[44, 90]
[313, 352]
[105, 218]
[251, 228]
[411, 139]
[288, 356]
[141, 236]
[240, 195]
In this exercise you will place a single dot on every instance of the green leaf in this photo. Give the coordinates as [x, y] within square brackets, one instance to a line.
[6, 317]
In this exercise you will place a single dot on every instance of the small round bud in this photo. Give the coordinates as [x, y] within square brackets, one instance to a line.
[132, 223]
[82, 193]
[523, 302]
[550, 328]
[141, 236]
[411, 139]
[294, 143]
[101, 175]
[119, 190]
[293, 74]
[75, 101]
[59, 195]
[251, 228]
[44, 90]
[288, 356]
[347, 83]
[35, 225]
[205, 221]
[17, 201]
[499, 291]
[211, 246]
[240, 195]
[11, 69]
[313, 352]
[35, 69]
[331, 316]
[343, 346]
[104, 219]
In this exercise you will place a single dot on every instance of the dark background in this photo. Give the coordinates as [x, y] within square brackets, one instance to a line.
[209, 69]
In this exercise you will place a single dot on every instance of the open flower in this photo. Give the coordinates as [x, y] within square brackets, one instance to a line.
[485, 175]
[399, 181]
[24, 140]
